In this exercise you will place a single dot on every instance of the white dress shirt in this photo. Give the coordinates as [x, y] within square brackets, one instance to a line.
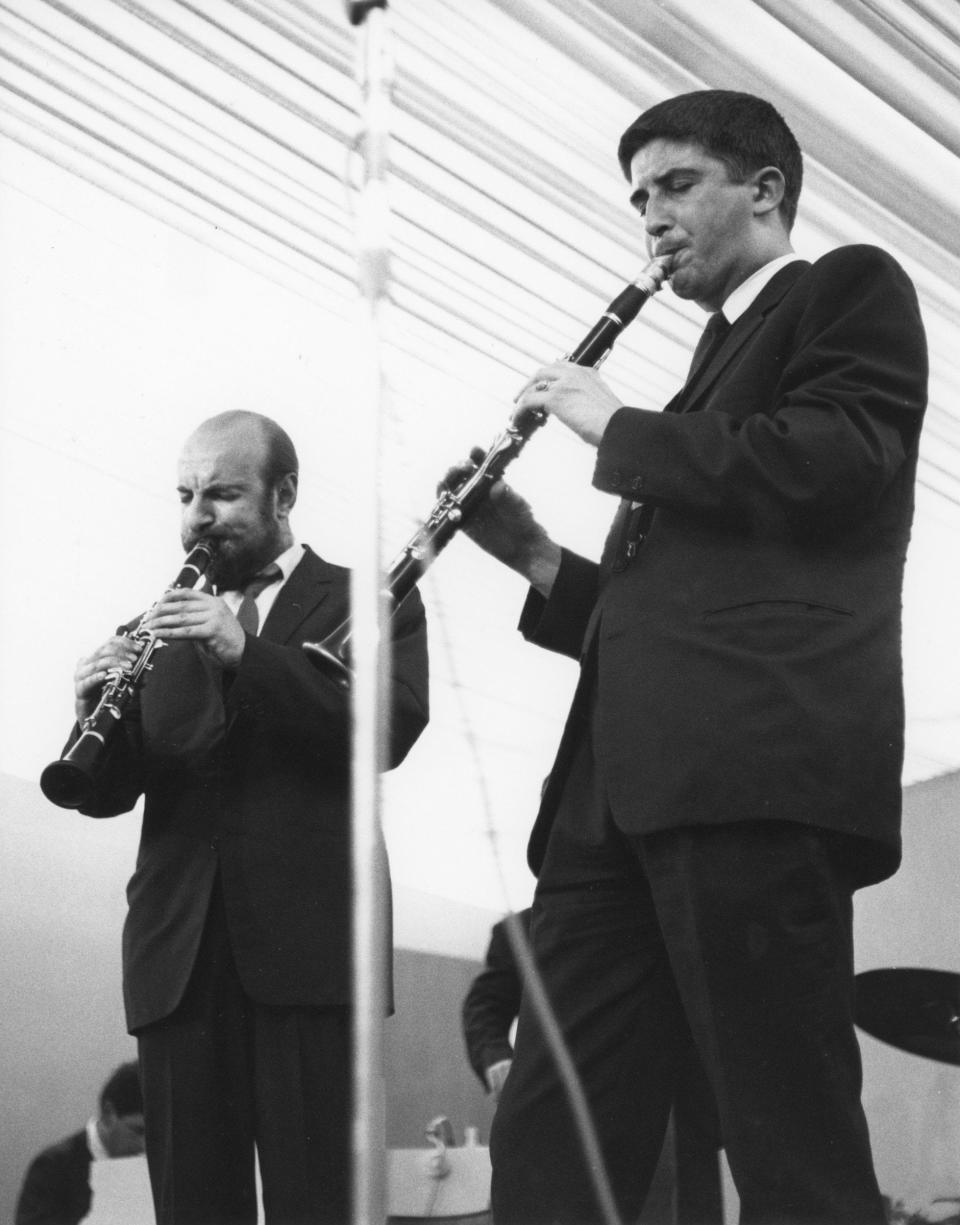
[745, 293]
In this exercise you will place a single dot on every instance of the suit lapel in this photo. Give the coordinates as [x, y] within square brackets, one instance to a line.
[307, 587]
[742, 331]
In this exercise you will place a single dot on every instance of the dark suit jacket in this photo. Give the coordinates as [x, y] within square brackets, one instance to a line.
[748, 657]
[249, 773]
[56, 1187]
[492, 1003]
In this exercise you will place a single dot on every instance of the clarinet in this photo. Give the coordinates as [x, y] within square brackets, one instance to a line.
[454, 507]
[70, 782]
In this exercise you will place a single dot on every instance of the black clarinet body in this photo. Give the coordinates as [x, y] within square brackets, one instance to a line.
[70, 781]
[455, 506]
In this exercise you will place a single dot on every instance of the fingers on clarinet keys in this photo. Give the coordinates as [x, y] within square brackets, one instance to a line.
[454, 477]
[118, 652]
[538, 385]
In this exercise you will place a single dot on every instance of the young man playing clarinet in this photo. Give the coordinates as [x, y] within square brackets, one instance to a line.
[730, 769]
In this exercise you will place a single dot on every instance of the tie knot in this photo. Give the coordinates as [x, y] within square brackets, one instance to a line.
[717, 326]
[269, 574]
[247, 614]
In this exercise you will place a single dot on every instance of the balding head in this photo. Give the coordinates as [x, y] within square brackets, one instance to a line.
[253, 434]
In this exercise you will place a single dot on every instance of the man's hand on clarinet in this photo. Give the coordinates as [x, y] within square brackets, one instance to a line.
[503, 525]
[93, 671]
[575, 395]
[201, 617]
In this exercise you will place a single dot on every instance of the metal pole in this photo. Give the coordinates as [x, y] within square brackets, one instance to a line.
[369, 878]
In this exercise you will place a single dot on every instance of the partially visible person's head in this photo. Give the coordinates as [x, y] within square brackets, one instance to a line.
[120, 1122]
[237, 481]
[744, 132]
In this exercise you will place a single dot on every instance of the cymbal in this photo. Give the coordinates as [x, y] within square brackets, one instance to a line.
[912, 1009]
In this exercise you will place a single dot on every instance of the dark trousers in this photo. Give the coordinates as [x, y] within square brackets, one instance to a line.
[222, 1074]
[736, 938]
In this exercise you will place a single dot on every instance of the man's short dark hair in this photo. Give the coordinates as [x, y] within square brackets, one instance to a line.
[122, 1090]
[744, 132]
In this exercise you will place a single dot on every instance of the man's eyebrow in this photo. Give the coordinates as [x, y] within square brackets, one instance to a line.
[216, 487]
[662, 180]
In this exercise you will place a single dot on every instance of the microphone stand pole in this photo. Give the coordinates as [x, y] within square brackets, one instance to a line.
[370, 664]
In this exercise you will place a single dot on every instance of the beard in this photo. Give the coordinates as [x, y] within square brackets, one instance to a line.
[233, 566]
[239, 554]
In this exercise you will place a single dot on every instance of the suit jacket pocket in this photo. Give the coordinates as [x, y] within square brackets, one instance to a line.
[765, 610]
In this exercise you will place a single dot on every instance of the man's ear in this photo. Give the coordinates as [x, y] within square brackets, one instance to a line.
[286, 494]
[768, 189]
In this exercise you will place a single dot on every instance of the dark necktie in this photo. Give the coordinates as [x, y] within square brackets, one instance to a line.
[713, 336]
[248, 614]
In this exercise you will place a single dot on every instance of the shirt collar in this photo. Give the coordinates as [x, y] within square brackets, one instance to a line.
[748, 291]
[94, 1143]
[287, 561]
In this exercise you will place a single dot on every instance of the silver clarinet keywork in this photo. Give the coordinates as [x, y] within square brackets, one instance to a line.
[70, 781]
[455, 506]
